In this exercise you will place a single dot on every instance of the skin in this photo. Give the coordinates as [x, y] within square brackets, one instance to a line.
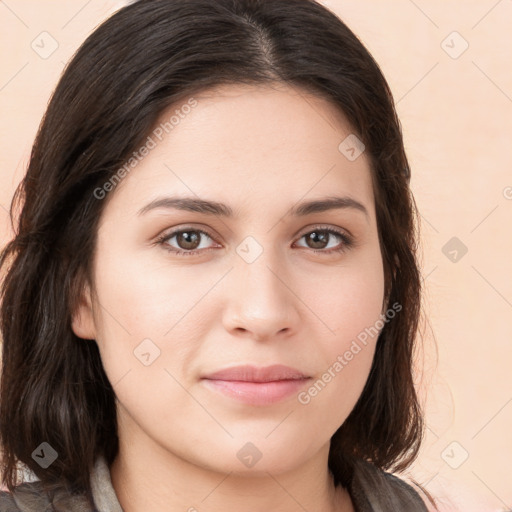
[261, 151]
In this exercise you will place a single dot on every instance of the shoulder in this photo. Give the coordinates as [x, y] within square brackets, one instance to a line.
[31, 497]
[374, 489]
[27, 497]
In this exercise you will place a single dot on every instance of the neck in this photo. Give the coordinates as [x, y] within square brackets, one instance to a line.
[143, 475]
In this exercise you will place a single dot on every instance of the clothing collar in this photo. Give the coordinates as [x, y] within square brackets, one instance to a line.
[103, 493]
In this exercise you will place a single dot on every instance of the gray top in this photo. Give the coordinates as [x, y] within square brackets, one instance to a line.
[371, 490]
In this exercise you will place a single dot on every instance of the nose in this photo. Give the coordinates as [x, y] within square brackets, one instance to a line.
[260, 301]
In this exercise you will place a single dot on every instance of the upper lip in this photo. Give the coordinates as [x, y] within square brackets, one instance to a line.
[257, 374]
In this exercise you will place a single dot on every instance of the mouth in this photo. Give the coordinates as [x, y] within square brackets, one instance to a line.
[257, 386]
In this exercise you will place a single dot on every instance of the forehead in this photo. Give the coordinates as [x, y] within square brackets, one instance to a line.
[240, 144]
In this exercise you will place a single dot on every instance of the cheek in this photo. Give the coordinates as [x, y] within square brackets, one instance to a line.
[349, 301]
[347, 356]
[349, 304]
[332, 395]
[141, 317]
[142, 312]
[140, 298]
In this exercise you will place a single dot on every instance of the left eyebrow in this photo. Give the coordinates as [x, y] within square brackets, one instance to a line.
[207, 207]
[328, 203]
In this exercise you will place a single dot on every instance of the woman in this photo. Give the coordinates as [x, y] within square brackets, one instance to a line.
[212, 298]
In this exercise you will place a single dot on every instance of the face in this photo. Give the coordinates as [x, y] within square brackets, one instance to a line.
[269, 284]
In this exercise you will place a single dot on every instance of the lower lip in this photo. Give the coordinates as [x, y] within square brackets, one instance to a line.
[257, 393]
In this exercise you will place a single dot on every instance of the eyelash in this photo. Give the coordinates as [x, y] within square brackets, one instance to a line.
[347, 241]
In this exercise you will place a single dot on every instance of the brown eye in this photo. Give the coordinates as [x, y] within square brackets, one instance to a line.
[187, 241]
[320, 238]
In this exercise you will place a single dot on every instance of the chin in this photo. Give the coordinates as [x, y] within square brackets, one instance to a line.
[257, 458]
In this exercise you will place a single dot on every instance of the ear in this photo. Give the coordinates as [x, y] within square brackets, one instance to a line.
[82, 321]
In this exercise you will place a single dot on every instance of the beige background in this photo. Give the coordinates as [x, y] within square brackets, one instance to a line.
[455, 105]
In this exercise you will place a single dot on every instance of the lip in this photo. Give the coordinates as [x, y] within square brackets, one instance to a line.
[257, 386]
[248, 373]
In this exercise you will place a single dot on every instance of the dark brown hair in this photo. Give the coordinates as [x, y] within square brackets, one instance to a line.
[150, 55]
